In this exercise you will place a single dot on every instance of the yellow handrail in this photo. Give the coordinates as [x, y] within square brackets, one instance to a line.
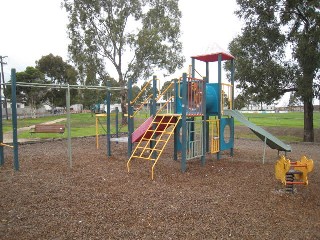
[228, 92]
[141, 91]
[142, 104]
[149, 97]
[179, 82]
[164, 91]
[165, 104]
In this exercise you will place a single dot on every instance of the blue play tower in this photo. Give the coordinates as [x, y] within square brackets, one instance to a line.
[207, 101]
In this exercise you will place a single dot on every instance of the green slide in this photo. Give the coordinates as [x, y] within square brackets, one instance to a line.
[271, 140]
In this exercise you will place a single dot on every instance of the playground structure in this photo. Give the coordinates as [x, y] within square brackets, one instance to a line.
[293, 173]
[202, 121]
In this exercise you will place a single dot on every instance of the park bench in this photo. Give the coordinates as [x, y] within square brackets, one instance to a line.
[48, 128]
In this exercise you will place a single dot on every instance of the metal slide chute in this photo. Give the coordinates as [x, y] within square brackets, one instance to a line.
[272, 141]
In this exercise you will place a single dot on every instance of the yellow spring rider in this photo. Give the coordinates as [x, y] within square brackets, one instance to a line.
[293, 173]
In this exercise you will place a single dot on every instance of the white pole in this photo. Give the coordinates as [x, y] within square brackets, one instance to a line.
[264, 149]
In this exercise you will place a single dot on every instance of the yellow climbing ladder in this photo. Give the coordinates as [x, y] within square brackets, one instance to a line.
[155, 139]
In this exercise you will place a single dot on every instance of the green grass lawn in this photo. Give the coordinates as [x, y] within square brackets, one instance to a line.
[291, 119]
[7, 124]
[294, 120]
[84, 124]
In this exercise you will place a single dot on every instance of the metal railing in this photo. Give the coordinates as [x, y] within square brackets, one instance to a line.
[226, 96]
[194, 142]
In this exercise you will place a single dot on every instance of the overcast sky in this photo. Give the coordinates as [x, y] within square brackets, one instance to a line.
[31, 29]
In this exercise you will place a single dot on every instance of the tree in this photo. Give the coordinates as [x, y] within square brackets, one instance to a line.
[31, 96]
[241, 101]
[135, 92]
[58, 71]
[90, 97]
[146, 32]
[274, 31]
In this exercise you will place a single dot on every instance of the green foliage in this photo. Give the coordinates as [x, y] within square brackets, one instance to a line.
[259, 70]
[58, 72]
[275, 31]
[30, 96]
[103, 32]
[241, 101]
[135, 92]
[115, 95]
[90, 97]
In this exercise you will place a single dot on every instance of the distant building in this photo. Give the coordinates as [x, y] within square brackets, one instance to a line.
[76, 107]
[257, 107]
[19, 105]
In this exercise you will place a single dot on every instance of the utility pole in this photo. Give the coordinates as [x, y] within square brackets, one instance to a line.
[4, 86]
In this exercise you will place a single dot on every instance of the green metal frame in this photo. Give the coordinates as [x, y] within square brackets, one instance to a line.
[108, 124]
[1, 130]
[14, 119]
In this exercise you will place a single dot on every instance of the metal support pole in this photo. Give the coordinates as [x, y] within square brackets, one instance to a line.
[193, 67]
[14, 119]
[219, 86]
[154, 96]
[117, 122]
[184, 123]
[204, 122]
[69, 126]
[264, 149]
[153, 113]
[232, 102]
[207, 72]
[232, 83]
[207, 117]
[4, 86]
[130, 118]
[176, 132]
[1, 126]
[232, 136]
[108, 124]
[97, 132]
[219, 99]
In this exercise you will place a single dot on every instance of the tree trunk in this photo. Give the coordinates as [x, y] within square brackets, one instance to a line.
[123, 98]
[308, 135]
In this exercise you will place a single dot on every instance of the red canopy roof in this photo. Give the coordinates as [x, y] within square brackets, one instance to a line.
[213, 57]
